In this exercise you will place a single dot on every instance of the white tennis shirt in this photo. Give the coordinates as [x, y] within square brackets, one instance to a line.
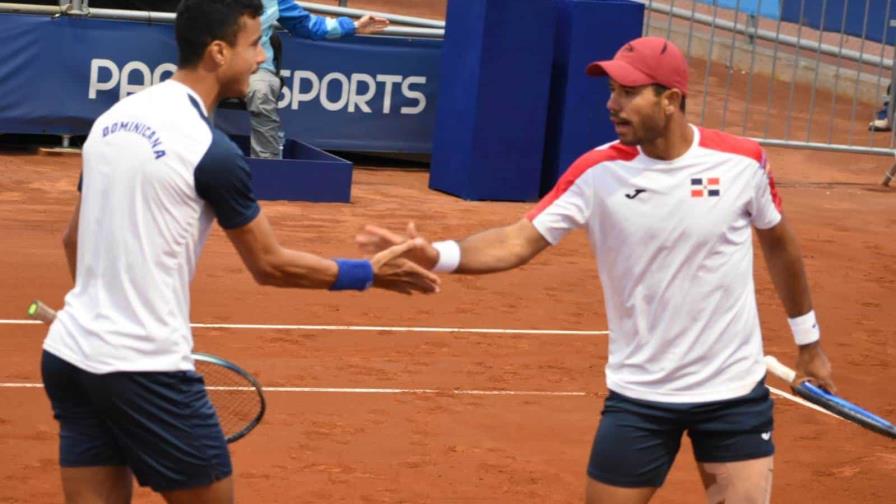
[155, 175]
[673, 243]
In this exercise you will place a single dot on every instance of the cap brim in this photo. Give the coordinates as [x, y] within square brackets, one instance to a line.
[619, 71]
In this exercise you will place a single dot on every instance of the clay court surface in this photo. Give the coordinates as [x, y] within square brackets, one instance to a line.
[446, 447]
[450, 446]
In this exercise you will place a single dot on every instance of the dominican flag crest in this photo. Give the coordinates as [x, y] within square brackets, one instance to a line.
[705, 187]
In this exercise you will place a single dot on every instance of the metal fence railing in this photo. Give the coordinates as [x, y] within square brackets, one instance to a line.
[786, 83]
[406, 26]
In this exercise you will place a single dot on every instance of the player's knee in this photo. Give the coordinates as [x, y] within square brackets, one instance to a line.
[744, 482]
[601, 493]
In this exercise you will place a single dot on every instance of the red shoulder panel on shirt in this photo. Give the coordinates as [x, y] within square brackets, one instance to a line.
[726, 142]
[612, 152]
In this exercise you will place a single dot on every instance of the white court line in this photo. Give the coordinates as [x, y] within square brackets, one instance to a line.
[305, 327]
[331, 390]
[800, 400]
[780, 393]
[334, 390]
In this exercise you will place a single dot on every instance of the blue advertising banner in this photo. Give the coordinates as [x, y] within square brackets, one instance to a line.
[362, 93]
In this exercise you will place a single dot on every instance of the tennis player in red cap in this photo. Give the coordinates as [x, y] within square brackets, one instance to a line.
[669, 209]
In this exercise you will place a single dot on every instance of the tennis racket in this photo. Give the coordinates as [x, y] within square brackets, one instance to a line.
[831, 402]
[236, 395]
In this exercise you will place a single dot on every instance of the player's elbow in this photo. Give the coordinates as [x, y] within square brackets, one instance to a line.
[524, 243]
[266, 275]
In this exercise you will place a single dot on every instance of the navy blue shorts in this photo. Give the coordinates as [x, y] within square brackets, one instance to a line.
[637, 440]
[161, 425]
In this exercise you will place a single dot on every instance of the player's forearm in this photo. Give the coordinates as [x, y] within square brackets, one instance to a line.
[785, 265]
[494, 250]
[291, 268]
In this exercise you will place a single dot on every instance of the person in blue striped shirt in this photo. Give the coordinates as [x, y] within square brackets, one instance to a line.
[264, 85]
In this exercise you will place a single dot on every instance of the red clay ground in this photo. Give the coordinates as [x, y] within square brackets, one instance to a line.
[316, 447]
[443, 448]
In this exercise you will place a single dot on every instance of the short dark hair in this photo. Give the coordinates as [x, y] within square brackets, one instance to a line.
[201, 22]
[659, 89]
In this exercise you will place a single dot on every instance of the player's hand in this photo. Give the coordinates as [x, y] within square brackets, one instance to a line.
[371, 24]
[374, 239]
[393, 272]
[812, 363]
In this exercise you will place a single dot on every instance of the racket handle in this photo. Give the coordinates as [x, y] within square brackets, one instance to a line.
[780, 370]
[39, 311]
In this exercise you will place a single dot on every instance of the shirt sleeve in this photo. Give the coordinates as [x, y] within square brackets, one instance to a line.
[568, 206]
[302, 23]
[223, 179]
[765, 205]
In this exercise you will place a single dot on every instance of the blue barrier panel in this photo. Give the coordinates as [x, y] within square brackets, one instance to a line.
[362, 93]
[493, 99]
[304, 174]
[578, 119]
[874, 27]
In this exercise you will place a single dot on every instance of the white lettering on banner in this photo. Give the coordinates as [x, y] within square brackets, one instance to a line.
[335, 91]
[123, 78]
[325, 92]
[413, 95]
[388, 80]
[95, 84]
[360, 100]
[158, 75]
[297, 95]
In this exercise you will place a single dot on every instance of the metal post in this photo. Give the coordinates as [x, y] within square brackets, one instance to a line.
[891, 107]
[888, 177]
[891, 91]
[754, 24]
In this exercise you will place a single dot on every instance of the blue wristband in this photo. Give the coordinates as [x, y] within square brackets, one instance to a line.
[354, 274]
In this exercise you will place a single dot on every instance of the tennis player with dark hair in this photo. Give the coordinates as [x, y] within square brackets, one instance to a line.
[668, 209]
[116, 363]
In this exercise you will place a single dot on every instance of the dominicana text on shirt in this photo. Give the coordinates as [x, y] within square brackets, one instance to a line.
[140, 129]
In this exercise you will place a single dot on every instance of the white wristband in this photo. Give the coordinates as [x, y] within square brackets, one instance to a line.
[805, 329]
[449, 256]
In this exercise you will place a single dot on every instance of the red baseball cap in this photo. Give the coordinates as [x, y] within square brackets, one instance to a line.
[645, 60]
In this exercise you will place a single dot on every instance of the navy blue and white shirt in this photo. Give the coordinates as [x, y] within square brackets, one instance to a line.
[299, 23]
[155, 176]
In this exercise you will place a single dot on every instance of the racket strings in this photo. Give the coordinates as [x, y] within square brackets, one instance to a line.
[236, 401]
